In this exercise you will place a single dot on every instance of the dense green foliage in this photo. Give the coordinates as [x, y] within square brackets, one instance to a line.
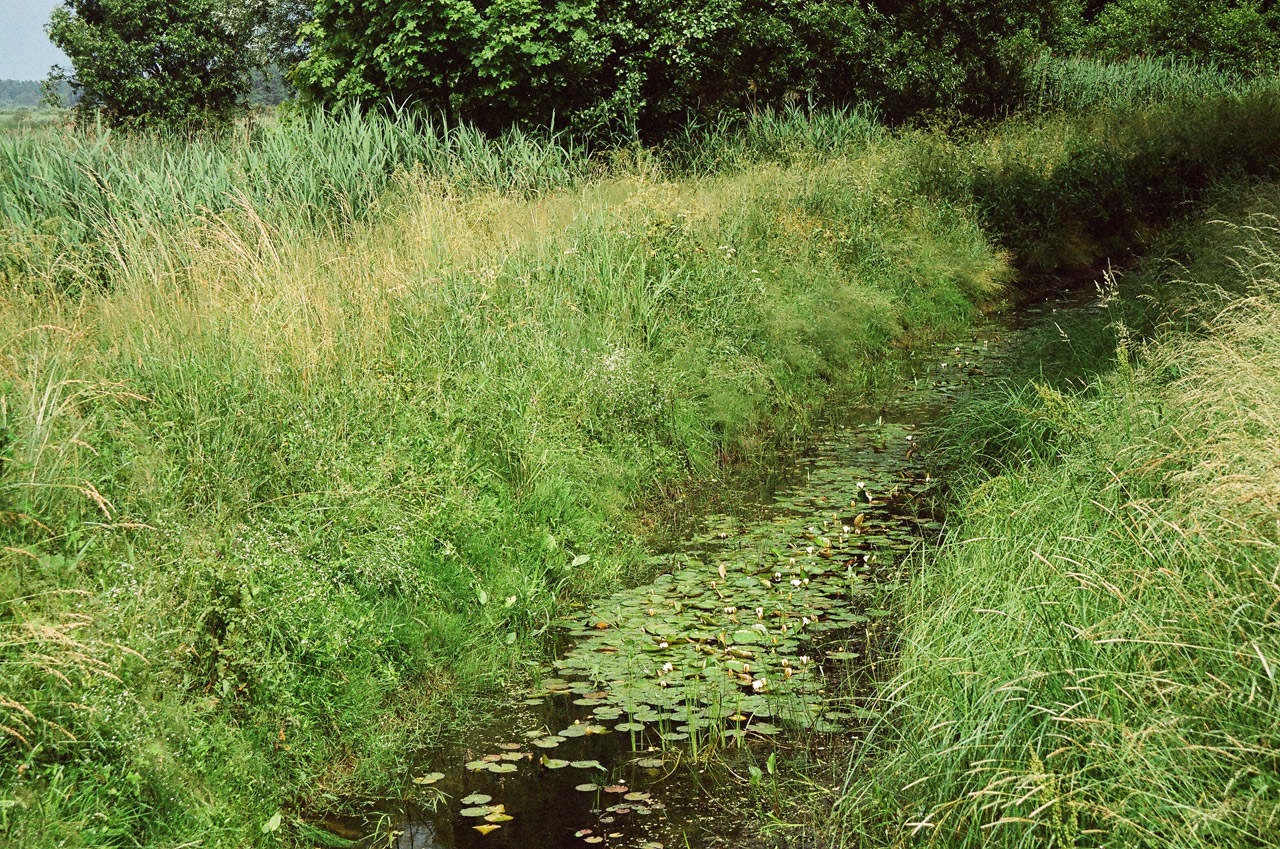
[1090, 660]
[647, 65]
[143, 62]
[1237, 35]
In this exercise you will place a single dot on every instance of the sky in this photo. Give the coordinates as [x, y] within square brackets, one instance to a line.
[25, 51]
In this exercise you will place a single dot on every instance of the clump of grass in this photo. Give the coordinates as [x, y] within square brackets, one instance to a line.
[1081, 84]
[1091, 660]
[73, 201]
[1066, 191]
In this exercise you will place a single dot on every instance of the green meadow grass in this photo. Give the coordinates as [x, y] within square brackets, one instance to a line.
[304, 429]
[1091, 658]
[297, 470]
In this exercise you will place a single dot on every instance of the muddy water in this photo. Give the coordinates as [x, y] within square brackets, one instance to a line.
[648, 730]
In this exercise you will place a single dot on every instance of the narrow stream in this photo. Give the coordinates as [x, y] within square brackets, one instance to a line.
[758, 634]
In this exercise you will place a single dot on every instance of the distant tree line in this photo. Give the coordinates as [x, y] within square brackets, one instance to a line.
[631, 67]
[31, 94]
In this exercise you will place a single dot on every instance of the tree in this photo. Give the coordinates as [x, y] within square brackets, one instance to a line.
[1237, 35]
[647, 66]
[146, 63]
[492, 63]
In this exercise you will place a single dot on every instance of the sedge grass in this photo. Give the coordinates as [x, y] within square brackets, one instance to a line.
[1091, 659]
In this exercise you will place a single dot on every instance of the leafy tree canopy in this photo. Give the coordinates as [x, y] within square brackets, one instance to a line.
[647, 65]
[1239, 35]
[157, 62]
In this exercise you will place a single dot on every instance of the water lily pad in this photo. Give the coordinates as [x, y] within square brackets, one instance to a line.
[650, 763]
[477, 766]
[616, 788]
[553, 763]
[502, 767]
[487, 828]
[586, 765]
[629, 726]
[478, 811]
[637, 797]
[587, 787]
[429, 778]
[498, 817]
[548, 742]
[476, 799]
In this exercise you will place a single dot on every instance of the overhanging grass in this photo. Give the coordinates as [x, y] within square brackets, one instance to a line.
[1091, 659]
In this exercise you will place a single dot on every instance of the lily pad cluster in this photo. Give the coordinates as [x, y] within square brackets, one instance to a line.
[739, 638]
[742, 634]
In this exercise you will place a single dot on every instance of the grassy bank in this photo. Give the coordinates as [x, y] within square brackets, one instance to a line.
[284, 494]
[308, 433]
[1091, 659]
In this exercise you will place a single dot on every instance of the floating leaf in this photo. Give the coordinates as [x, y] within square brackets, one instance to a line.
[497, 816]
[502, 767]
[616, 788]
[553, 763]
[587, 787]
[479, 811]
[476, 799]
[650, 763]
[586, 765]
[429, 778]
[487, 828]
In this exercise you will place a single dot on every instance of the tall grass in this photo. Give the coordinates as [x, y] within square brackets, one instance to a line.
[1066, 191]
[303, 486]
[1092, 659]
[71, 200]
[1080, 84]
[303, 430]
